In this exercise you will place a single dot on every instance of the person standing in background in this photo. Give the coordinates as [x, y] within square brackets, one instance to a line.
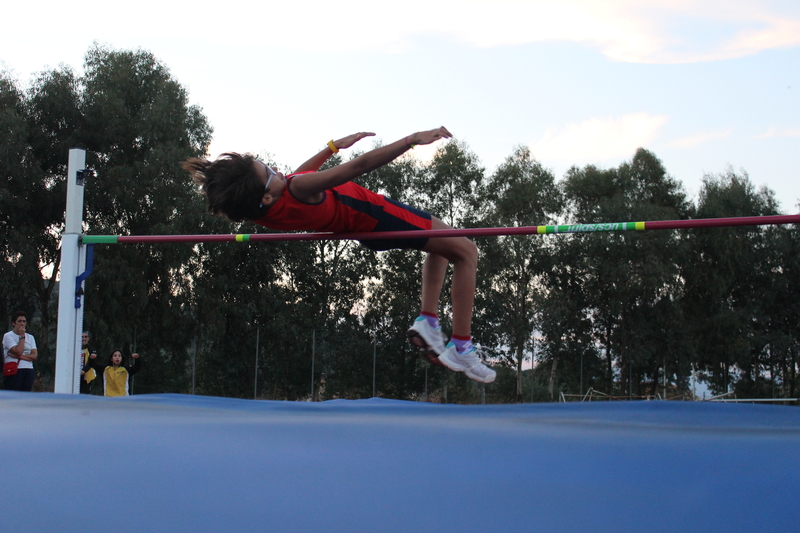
[87, 372]
[19, 346]
[116, 372]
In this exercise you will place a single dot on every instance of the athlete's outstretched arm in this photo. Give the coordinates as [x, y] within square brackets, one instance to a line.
[308, 187]
[318, 160]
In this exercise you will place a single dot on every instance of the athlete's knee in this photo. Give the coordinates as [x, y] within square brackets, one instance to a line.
[468, 252]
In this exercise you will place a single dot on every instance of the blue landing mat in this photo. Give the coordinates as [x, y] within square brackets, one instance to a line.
[189, 463]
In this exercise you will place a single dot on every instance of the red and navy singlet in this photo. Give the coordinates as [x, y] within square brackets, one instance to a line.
[348, 208]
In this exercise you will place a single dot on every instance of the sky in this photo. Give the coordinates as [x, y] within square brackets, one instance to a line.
[707, 86]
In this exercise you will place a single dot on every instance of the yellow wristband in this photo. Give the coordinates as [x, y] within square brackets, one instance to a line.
[333, 147]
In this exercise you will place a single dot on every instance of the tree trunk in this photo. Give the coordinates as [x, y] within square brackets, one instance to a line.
[609, 362]
[552, 384]
[520, 354]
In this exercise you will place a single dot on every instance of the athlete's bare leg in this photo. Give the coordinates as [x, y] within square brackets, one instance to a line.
[463, 253]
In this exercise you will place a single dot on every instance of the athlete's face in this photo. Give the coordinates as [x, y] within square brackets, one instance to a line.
[274, 182]
[116, 358]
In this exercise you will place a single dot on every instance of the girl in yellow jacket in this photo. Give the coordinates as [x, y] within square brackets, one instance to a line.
[115, 373]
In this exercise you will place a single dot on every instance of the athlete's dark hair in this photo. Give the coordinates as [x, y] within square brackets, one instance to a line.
[16, 314]
[230, 184]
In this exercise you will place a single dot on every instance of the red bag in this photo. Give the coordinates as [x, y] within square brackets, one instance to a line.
[10, 368]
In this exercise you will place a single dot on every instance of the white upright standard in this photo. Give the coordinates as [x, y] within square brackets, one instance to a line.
[73, 255]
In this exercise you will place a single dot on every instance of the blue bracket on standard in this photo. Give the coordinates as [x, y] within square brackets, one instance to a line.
[79, 279]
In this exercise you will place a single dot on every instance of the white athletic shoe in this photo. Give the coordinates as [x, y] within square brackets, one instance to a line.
[468, 363]
[426, 337]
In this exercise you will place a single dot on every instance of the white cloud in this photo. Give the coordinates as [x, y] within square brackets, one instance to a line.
[641, 31]
[646, 31]
[598, 139]
[775, 33]
[775, 132]
[696, 139]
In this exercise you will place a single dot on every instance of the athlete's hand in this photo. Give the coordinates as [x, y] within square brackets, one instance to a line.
[350, 140]
[430, 136]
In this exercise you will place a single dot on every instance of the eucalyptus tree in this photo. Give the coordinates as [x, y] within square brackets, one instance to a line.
[786, 326]
[139, 127]
[253, 327]
[567, 348]
[329, 289]
[727, 279]
[520, 193]
[774, 344]
[136, 123]
[632, 280]
[37, 127]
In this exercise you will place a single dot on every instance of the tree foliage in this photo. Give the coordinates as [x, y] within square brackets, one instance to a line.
[628, 314]
[520, 193]
[135, 122]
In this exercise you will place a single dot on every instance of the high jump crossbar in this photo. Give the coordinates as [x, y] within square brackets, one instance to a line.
[465, 232]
